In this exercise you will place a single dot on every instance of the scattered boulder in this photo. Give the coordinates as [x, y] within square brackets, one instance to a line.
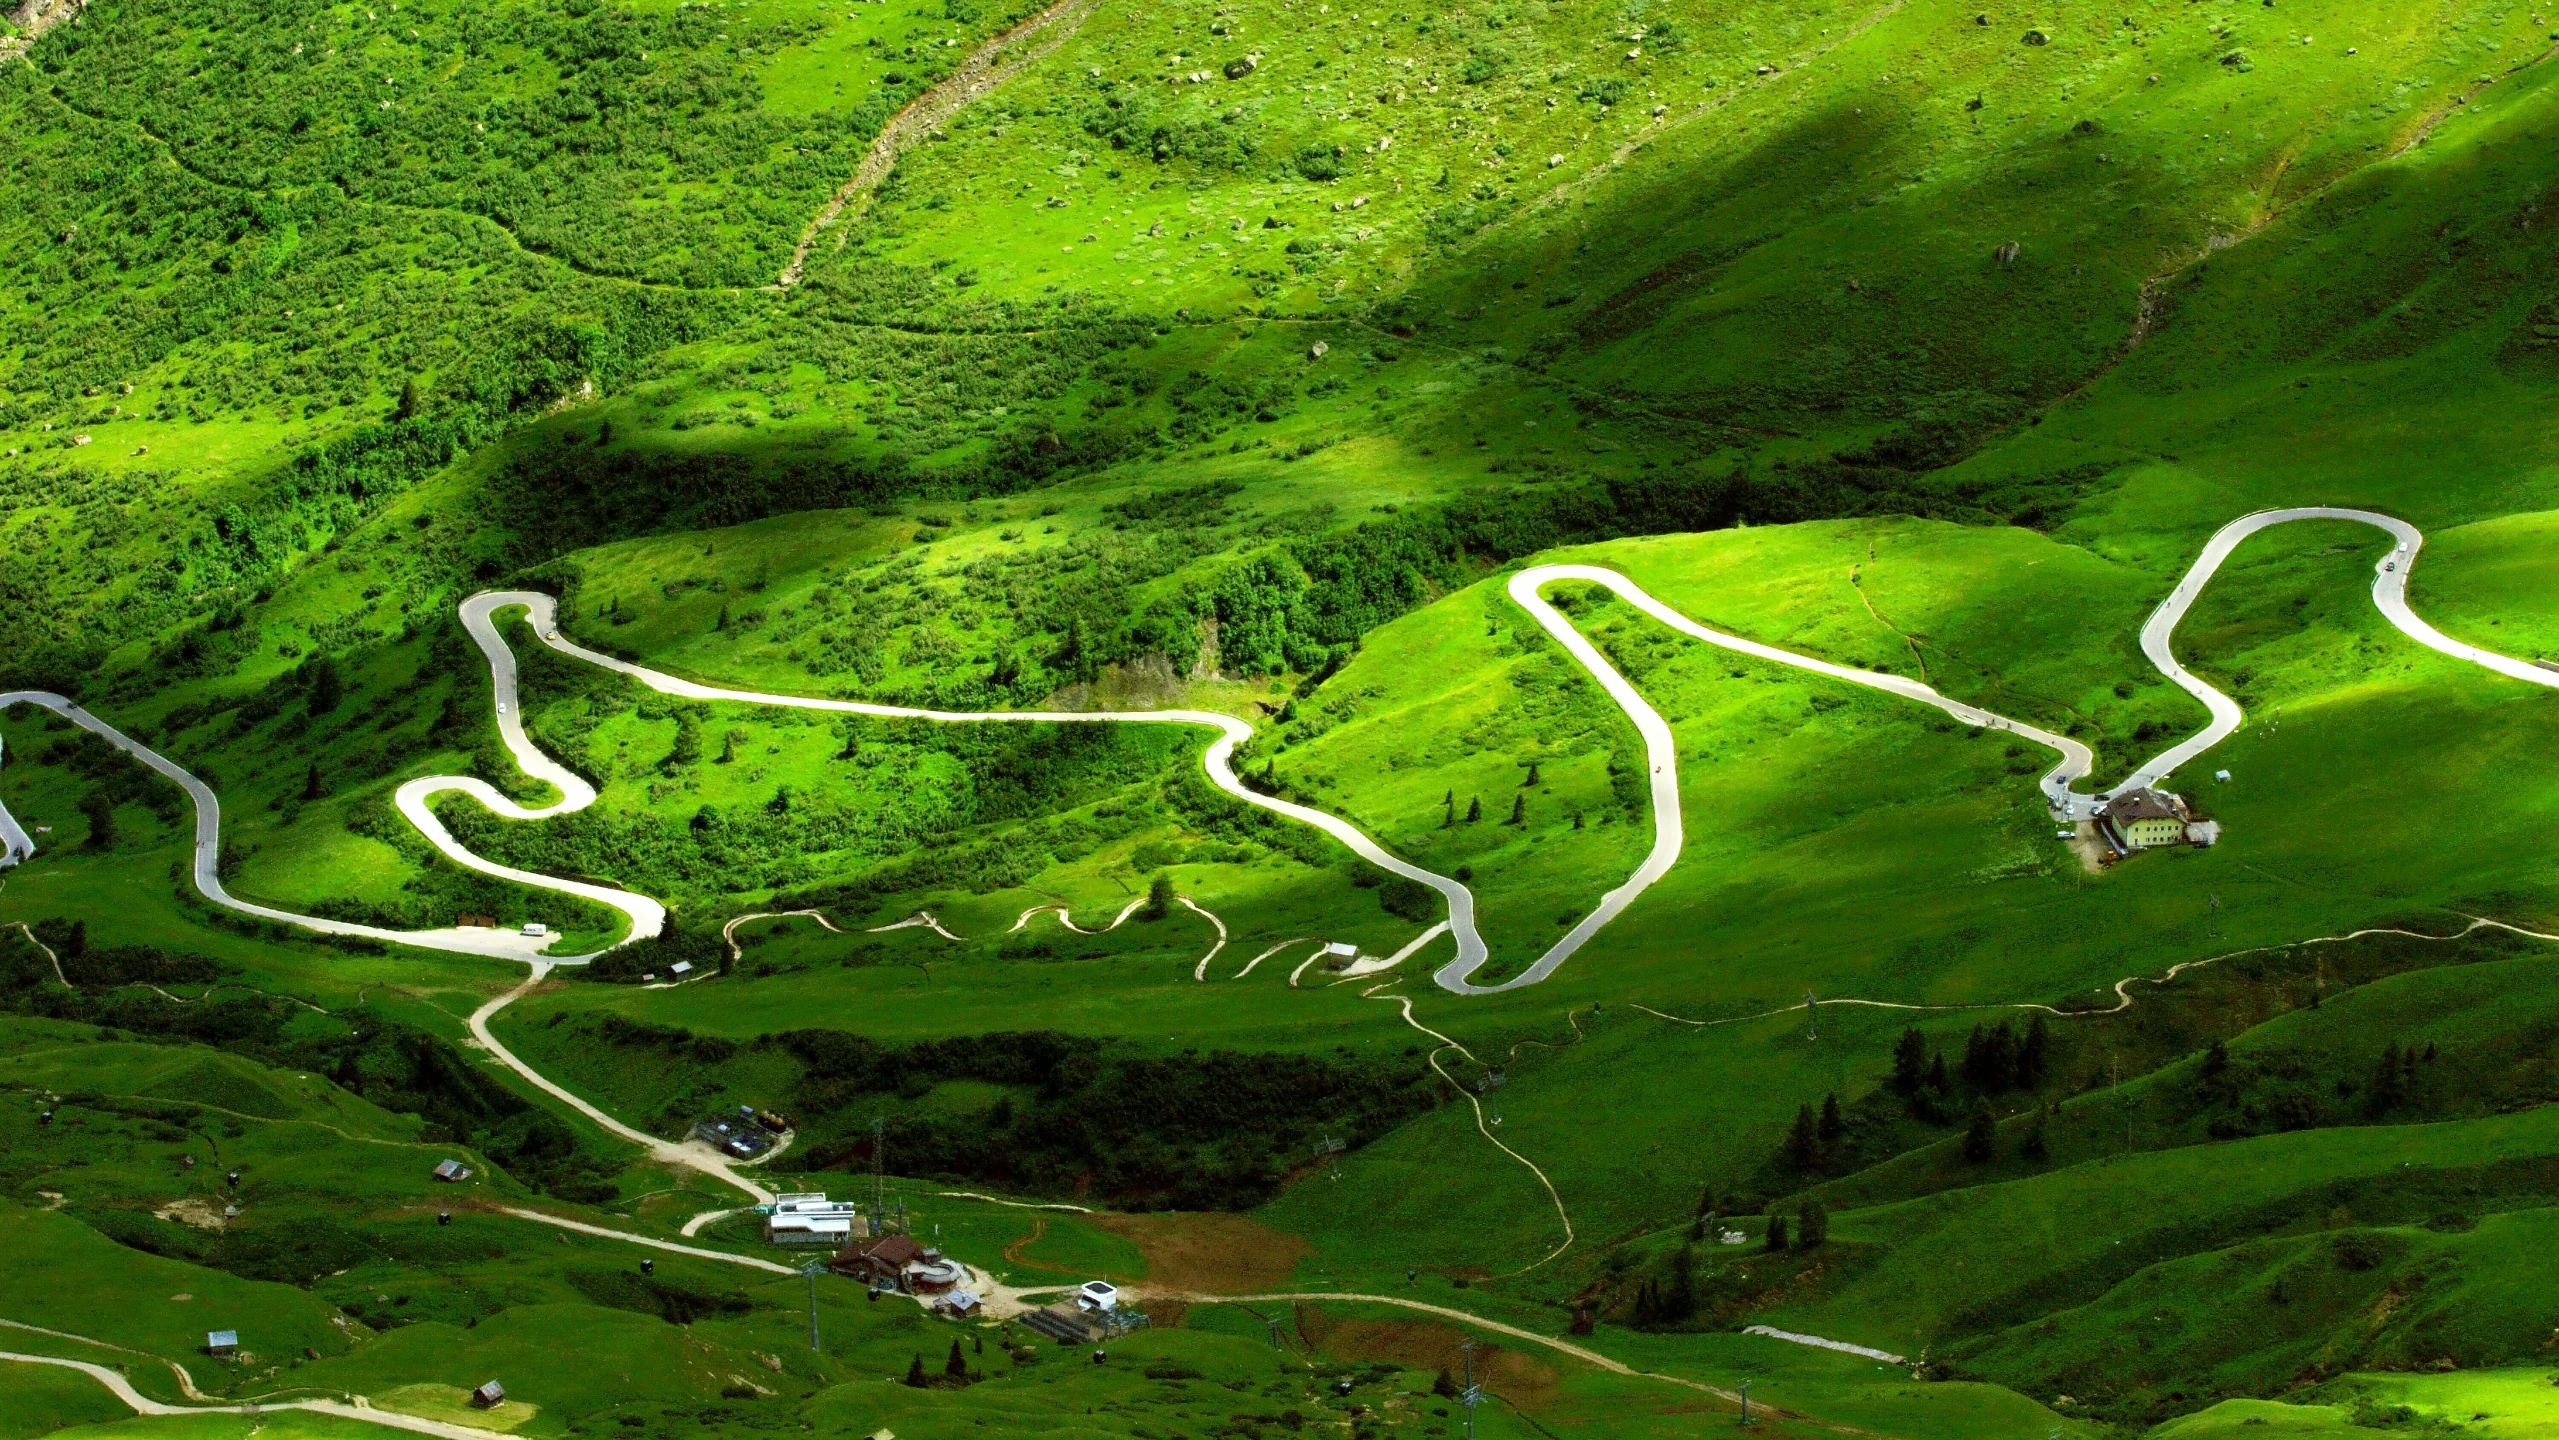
[2008, 253]
[1238, 69]
[1317, 350]
[1554, 160]
[1981, 20]
[2038, 37]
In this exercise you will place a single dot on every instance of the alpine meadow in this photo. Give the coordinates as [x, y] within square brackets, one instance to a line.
[1229, 719]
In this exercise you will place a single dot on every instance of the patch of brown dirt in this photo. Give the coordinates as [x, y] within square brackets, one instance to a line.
[1214, 1253]
[1524, 1380]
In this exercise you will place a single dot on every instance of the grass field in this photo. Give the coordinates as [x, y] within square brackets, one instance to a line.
[1233, 357]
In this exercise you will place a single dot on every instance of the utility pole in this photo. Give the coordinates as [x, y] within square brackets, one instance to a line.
[1745, 1402]
[1491, 1082]
[2216, 915]
[879, 1152]
[1473, 1394]
[1812, 1016]
[1330, 1150]
[811, 1269]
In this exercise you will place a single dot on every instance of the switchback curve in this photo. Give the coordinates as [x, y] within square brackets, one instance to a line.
[647, 916]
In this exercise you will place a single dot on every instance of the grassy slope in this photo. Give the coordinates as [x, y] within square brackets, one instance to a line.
[2418, 400]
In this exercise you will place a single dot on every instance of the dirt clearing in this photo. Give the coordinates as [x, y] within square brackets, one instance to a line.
[1212, 1253]
[1523, 1380]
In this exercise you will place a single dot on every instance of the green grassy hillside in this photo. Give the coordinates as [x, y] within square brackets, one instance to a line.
[1233, 357]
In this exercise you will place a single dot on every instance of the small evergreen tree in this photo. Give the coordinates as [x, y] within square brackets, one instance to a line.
[1937, 1074]
[100, 811]
[957, 1367]
[1833, 1125]
[1474, 809]
[2035, 1147]
[1776, 1232]
[915, 1373]
[1680, 1301]
[1812, 1225]
[1910, 1061]
[1519, 811]
[2385, 1091]
[1803, 1140]
[410, 402]
[1532, 774]
[1981, 1136]
[2034, 1058]
[688, 743]
[2216, 1059]
[1444, 1385]
[1159, 898]
[311, 782]
[327, 686]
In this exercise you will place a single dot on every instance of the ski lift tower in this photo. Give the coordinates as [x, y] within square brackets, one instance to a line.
[814, 1267]
[1473, 1394]
[1330, 1151]
[879, 1180]
[1491, 1082]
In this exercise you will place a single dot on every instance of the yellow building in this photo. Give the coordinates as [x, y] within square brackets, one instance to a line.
[2141, 819]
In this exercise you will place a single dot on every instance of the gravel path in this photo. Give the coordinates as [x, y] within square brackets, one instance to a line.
[647, 917]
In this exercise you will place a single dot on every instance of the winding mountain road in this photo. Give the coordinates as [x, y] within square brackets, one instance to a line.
[647, 917]
[142, 1404]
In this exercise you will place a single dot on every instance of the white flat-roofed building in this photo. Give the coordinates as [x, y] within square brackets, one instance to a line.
[809, 1219]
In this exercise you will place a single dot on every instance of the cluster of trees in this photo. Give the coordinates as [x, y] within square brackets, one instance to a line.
[1080, 1116]
[394, 1065]
[1996, 1060]
[441, 108]
[869, 809]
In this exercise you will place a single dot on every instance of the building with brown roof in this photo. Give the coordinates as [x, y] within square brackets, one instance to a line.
[880, 1262]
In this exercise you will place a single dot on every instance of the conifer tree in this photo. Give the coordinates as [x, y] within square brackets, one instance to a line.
[1803, 1141]
[1981, 1137]
[1812, 1225]
[1833, 1125]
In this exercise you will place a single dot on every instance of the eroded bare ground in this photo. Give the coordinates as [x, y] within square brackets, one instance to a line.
[31, 20]
[990, 65]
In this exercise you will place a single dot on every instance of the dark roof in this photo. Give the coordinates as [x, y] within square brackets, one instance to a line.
[887, 1249]
[2140, 805]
